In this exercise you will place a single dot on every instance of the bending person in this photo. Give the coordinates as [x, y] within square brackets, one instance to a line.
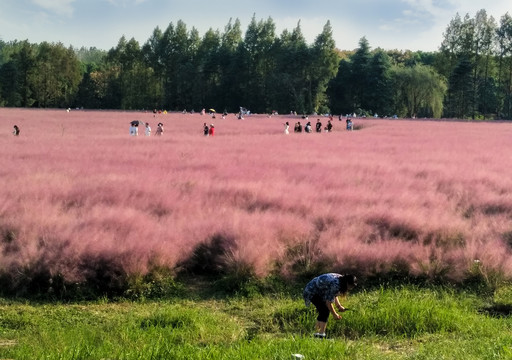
[322, 292]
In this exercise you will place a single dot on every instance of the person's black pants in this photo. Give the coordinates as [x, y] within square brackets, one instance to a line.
[321, 306]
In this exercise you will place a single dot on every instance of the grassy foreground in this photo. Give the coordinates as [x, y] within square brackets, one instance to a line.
[396, 323]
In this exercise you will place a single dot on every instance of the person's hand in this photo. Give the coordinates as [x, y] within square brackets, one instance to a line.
[342, 309]
[337, 316]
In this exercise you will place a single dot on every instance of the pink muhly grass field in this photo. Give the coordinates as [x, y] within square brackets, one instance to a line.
[431, 198]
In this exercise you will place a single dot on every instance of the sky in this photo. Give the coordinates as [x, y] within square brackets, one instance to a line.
[388, 24]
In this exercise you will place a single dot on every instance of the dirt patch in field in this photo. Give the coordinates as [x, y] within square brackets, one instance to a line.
[5, 343]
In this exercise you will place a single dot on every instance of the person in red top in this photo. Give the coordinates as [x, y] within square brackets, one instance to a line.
[212, 130]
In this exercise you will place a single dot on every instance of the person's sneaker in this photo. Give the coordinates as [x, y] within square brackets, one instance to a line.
[319, 335]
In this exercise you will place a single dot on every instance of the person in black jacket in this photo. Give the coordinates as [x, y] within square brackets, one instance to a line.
[318, 126]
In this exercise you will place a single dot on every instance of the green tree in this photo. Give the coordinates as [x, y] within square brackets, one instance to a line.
[87, 92]
[189, 91]
[359, 82]
[55, 76]
[91, 61]
[257, 62]
[111, 77]
[169, 54]
[410, 58]
[290, 77]
[483, 41]
[129, 76]
[209, 69]
[419, 91]
[3, 58]
[153, 52]
[469, 45]
[460, 90]
[231, 41]
[457, 47]
[379, 91]
[188, 43]
[504, 81]
[131, 83]
[324, 65]
[90, 55]
[16, 74]
[339, 91]
[178, 51]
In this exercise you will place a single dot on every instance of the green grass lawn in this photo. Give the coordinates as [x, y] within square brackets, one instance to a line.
[395, 323]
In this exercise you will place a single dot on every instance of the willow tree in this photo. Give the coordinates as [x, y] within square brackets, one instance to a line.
[419, 90]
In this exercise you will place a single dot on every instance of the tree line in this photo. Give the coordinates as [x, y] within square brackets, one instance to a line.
[177, 69]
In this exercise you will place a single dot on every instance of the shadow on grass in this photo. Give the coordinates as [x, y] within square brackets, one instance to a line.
[497, 310]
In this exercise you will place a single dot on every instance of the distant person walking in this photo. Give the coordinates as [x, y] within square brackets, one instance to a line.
[16, 131]
[206, 130]
[148, 130]
[350, 126]
[328, 128]
[212, 130]
[318, 126]
[134, 127]
[286, 128]
[159, 129]
[322, 292]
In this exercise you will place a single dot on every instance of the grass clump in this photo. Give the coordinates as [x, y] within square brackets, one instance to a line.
[404, 312]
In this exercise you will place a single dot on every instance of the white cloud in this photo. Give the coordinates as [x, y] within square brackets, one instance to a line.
[448, 8]
[429, 6]
[387, 27]
[59, 7]
[441, 12]
[125, 3]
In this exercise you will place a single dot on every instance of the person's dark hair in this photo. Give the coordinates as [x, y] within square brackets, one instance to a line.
[346, 281]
